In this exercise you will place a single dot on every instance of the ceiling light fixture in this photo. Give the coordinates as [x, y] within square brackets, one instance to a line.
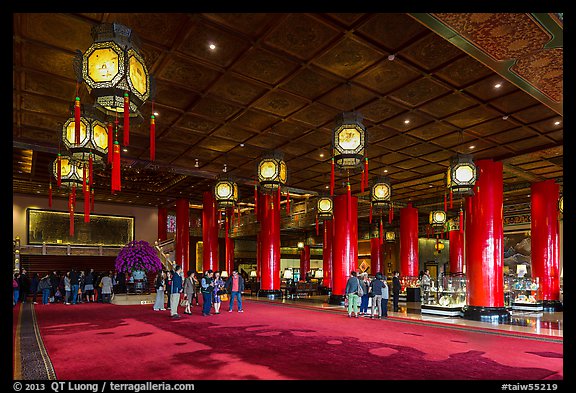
[212, 46]
[498, 85]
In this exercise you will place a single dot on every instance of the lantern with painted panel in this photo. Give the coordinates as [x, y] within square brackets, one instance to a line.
[348, 140]
[93, 139]
[226, 192]
[390, 236]
[71, 173]
[325, 208]
[380, 192]
[461, 175]
[272, 171]
[437, 219]
[112, 66]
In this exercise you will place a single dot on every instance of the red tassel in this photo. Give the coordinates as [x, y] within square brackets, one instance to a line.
[445, 205]
[256, 201]
[90, 169]
[288, 202]
[50, 195]
[450, 199]
[226, 229]
[116, 182]
[84, 178]
[126, 120]
[92, 200]
[278, 197]
[427, 230]
[110, 142]
[390, 214]
[461, 221]
[332, 179]
[86, 202]
[59, 171]
[381, 231]
[77, 121]
[366, 171]
[362, 182]
[74, 195]
[152, 138]
[349, 200]
[71, 211]
[317, 226]
[370, 213]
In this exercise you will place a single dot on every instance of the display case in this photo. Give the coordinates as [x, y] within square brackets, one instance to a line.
[409, 289]
[508, 285]
[446, 297]
[526, 295]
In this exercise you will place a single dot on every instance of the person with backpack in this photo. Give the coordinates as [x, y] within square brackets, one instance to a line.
[354, 293]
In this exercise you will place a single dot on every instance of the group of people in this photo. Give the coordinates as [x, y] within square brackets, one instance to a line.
[71, 287]
[185, 291]
[360, 288]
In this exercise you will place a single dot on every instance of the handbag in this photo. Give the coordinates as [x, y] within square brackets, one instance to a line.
[360, 290]
[224, 297]
[221, 292]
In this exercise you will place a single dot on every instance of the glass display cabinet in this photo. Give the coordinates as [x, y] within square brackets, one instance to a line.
[508, 284]
[447, 297]
[409, 289]
[526, 294]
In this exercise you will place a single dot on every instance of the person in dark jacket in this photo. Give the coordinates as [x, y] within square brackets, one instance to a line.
[74, 285]
[376, 287]
[34, 287]
[175, 290]
[89, 286]
[45, 287]
[396, 290]
[235, 286]
[24, 284]
[351, 292]
[207, 287]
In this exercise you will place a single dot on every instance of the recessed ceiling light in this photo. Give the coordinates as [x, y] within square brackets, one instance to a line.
[505, 117]
[556, 123]
[124, 150]
[385, 170]
[109, 199]
[156, 113]
[391, 57]
[212, 46]
[241, 145]
[472, 147]
[406, 121]
[321, 154]
[327, 186]
[498, 85]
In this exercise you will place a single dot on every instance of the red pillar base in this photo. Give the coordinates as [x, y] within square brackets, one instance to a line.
[336, 299]
[552, 305]
[270, 293]
[486, 314]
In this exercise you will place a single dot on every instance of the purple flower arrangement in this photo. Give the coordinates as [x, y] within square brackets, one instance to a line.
[138, 255]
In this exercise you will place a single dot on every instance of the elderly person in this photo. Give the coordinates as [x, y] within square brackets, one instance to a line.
[106, 288]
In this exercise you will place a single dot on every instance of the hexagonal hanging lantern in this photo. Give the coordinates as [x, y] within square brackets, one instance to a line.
[226, 192]
[93, 138]
[71, 171]
[380, 192]
[325, 208]
[461, 175]
[348, 140]
[390, 236]
[437, 218]
[272, 171]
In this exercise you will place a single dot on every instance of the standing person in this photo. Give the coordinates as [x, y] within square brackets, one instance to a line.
[207, 285]
[365, 283]
[396, 290]
[106, 288]
[81, 284]
[67, 288]
[160, 284]
[34, 287]
[175, 292]
[74, 285]
[15, 288]
[54, 283]
[196, 289]
[168, 289]
[218, 285]
[235, 286]
[425, 282]
[24, 285]
[89, 286]
[189, 291]
[45, 287]
[376, 289]
[385, 296]
[351, 291]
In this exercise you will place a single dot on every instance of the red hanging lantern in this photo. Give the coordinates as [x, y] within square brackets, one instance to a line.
[126, 119]
[152, 137]
[92, 199]
[316, 225]
[59, 171]
[116, 179]
[362, 182]
[256, 201]
[50, 195]
[370, 213]
[349, 200]
[110, 142]
[77, 118]
[332, 178]
[288, 202]
[86, 202]
[366, 171]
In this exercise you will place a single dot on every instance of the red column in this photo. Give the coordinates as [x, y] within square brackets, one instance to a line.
[456, 238]
[162, 223]
[545, 241]
[270, 245]
[484, 245]
[229, 255]
[304, 262]
[409, 241]
[327, 262]
[345, 250]
[209, 232]
[375, 256]
[182, 252]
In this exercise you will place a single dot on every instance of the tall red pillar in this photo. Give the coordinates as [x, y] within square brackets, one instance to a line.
[182, 252]
[409, 241]
[545, 242]
[484, 245]
[209, 232]
[304, 262]
[270, 246]
[456, 239]
[162, 223]
[376, 256]
[229, 255]
[327, 254]
[345, 245]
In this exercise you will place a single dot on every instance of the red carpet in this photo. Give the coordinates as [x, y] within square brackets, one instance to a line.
[276, 342]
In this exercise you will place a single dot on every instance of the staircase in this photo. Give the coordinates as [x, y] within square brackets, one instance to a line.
[166, 250]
